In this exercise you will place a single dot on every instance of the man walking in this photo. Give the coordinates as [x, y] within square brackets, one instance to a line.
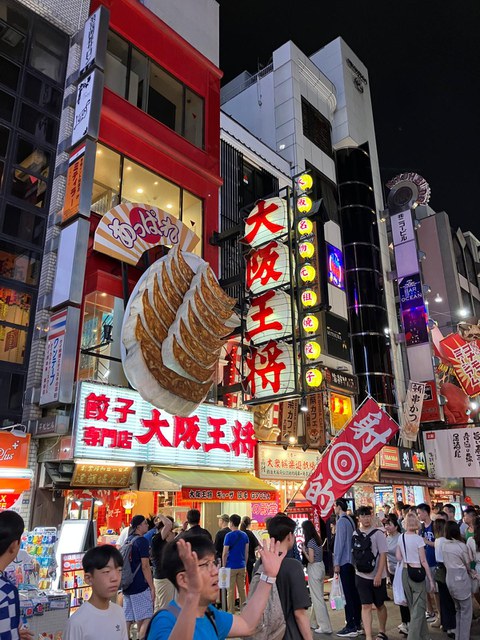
[234, 557]
[291, 585]
[194, 528]
[371, 585]
[426, 532]
[164, 589]
[139, 596]
[342, 560]
[223, 529]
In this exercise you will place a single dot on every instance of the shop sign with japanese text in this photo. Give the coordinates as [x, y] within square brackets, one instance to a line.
[349, 455]
[116, 424]
[413, 410]
[340, 380]
[453, 453]
[89, 475]
[389, 458]
[274, 463]
[465, 357]
[315, 426]
[227, 495]
[267, 220]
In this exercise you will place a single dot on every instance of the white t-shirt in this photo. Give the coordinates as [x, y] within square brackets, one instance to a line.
[122, 538]
[413, 543]
[439, 542]
[91, 623]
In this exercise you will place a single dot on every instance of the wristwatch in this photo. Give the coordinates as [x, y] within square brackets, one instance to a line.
[267, 579]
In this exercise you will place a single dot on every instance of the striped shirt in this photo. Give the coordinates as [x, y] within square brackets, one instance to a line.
[9, 610]
[317, 550]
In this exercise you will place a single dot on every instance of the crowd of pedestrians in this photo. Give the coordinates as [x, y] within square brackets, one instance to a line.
[167, 582]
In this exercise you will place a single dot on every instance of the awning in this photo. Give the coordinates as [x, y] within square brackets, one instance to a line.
[201, 485]
[411, 479]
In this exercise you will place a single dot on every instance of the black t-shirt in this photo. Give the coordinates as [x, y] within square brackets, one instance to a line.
[157, 548]
[196, 530]
[293, 593]
[219, 541]
[252, 545]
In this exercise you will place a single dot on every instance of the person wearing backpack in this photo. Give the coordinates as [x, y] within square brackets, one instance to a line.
[190, 564]
[369, 555]
[342, 560]
[137, 581]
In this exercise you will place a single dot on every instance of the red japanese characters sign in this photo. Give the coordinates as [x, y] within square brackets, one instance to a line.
[270, 370]
[116, 424]
[349, 455]
[268, 267]
[465, 358]
[267, 220]
[223, 495]
[269, 317]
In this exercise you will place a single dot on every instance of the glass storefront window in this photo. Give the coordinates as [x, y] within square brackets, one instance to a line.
[116, 64]
[106, 181]
[12, 344]
[14, 306]
[23, 225]
[141, 185]
[49, 51]
[192, 216]
[19, 264]
[102, 324]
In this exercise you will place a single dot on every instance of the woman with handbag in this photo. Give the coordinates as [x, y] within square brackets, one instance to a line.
[447, 605]
[411, 551]
[394, 530]
[457, 562]
[312, 550]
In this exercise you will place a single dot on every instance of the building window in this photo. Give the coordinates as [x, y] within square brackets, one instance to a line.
[471, 270]
[459, 257]
[47, 53]
[14, 313]
[118, 179]
[317, 128]
[19, 264]
[145, 84]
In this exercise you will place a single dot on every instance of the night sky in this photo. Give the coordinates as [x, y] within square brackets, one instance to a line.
[423, 59]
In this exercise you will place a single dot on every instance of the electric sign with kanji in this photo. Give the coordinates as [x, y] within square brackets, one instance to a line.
[116, 424]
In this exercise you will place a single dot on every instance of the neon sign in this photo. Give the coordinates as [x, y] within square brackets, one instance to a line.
[335, 267]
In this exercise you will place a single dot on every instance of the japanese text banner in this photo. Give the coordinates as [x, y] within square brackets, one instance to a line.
[453, 453]
[349, 455]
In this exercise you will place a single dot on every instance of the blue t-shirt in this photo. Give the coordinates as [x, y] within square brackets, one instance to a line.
[164, 621]
[236, 541]
[427, 533]
[9, 610]
[140, 549]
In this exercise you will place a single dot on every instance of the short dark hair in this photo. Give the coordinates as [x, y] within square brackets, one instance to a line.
[235, 519]
[442, 515]
[171, 561]
[280, 526]
[452, 531]
[193, 516]
[470, 510]
[364, 510]
[393, 519]
[11, 529]
[342, 503]
[424, 507]
[449, 507]
[99, 557]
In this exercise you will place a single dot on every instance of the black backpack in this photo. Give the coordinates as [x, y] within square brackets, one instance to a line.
[362, 554]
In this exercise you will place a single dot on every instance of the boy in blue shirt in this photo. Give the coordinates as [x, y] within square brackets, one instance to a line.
[234, 557]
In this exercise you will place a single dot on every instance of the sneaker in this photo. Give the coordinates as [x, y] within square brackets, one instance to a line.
[346, 632]
[436, 624]
[451, 633]
[403, 629]
[430, 616]
[360, 631]
[320, 630]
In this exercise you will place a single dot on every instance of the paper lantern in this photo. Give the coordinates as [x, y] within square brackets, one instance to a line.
[270, 370]
[310, 324]
[304, 182]
[267, 220]
[312, 350]
[269, 317]
[307, 273]
[313, 377]
[309, 298]
[304, 204]
[267, 267]
[128, 501]
[305, 227]
[306, 249]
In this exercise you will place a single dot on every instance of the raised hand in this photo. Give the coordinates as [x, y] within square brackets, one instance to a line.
[271, 557]
[190, 563]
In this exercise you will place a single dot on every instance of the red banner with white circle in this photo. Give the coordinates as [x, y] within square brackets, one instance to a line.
[349, 455]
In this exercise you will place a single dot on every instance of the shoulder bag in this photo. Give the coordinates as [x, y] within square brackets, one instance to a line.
[416, 574]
